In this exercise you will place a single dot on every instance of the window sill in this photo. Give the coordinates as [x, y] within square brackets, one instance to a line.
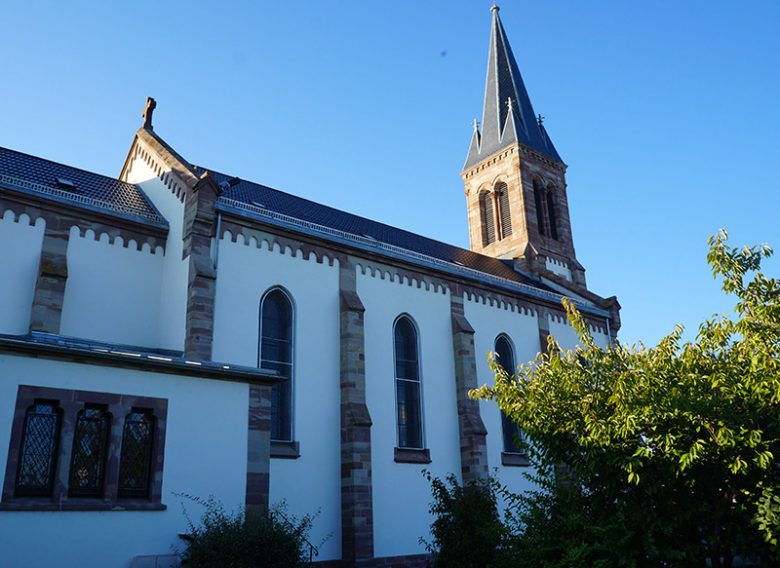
[410, 455]
[33, 504]
[285, 450]
[512, 459]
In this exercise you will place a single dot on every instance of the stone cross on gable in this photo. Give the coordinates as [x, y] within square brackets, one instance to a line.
[151, 104]
[540, 120]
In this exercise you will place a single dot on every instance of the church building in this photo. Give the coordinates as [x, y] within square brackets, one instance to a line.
[177, 330]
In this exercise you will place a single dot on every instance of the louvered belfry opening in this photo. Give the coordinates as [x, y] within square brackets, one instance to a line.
[502, 196]
[552, 214]
[487, 218]
[539, 204]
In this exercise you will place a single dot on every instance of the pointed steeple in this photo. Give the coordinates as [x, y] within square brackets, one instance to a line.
[502, 123]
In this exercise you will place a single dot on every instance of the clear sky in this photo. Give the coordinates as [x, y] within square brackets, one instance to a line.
[666, 113]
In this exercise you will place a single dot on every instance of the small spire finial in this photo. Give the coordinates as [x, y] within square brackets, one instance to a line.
[509, 104]
[151, 104]
[494, 8]
[540, 120]
[476, 125]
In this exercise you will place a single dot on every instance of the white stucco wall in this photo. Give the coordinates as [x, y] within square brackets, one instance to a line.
[566, 336]
[113, 292]
[558, 267]
[312, 482]
[401, 495]
[522, 329]
[20, 253]
[205, 454]
[174, 272]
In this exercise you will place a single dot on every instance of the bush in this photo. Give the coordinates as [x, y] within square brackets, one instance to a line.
[467, 531]
[247, 538]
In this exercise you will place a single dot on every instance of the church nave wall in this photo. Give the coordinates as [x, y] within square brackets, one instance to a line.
[401, 495]
[312, 481]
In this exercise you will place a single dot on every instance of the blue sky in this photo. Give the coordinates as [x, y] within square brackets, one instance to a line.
[666, 113]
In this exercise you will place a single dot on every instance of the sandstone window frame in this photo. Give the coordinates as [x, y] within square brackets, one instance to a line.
[70, 403]
[406, 452]
[285, 447]
[511, 453]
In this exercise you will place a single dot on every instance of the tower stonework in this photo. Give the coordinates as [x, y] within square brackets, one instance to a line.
[515, 180]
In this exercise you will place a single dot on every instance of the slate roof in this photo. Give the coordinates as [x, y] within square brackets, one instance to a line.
[253, 196]
[499, 127]
[30, 174]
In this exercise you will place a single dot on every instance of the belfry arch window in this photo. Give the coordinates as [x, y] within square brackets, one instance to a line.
[501, 191]
[276, 353]
[407, 384]
[487, 218]
[552, 212]
[511, 433]
[539, 203]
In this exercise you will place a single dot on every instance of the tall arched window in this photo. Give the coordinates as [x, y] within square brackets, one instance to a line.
[486, 218]
[276, 353]
[551, 212]
[506, 358]
[90, 442]
[39, 447]
[539, 203]
[502, 192]
[407, 384]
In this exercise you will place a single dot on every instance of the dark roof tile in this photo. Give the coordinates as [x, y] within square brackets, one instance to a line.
[82, 188]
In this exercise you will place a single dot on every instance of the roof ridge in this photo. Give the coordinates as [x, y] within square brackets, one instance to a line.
[341, 211]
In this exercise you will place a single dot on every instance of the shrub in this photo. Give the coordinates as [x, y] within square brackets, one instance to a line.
[467, 530]
[247, 538]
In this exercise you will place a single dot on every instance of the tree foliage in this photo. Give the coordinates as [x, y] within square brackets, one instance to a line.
[669, 453]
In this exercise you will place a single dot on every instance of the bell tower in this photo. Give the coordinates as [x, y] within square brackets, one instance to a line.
[515, 180]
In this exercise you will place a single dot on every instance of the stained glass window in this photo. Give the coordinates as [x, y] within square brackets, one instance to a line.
[511, 433]
[276, 353]
[38, 456]
[407, 385]
[135, 459]
[90, 441]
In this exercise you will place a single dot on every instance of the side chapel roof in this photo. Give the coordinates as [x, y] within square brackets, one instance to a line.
[23, 173]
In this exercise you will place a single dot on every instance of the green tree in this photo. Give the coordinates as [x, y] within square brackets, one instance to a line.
[659, 456]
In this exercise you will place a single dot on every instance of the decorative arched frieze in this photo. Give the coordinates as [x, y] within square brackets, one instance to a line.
[65, 223]
[246, 236]
[159, 167]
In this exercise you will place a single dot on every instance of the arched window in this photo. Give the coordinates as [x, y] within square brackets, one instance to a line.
[551, 212]
[135, 460]
[539, 203]
[39, 447]
[486, 218]
[407, 384]
[506, 358]
[88, 463]
[276, 353]
[502, 192]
